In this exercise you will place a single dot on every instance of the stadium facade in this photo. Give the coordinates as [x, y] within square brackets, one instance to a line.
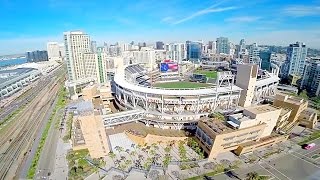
[180, 108]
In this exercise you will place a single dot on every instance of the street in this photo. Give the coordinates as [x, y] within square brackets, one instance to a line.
[296, 164]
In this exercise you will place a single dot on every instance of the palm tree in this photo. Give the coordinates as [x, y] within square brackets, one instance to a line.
[252, 176]
[133, 146]
[112, 156]
[167, 149]
[133, 153]
[139, 146]
[128, 152]
[128, 162]
[117, 162]
[141, 157]
[118, 148]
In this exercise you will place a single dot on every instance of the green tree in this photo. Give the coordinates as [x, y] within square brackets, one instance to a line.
[112, 156]
[304, 94]
[252, 176]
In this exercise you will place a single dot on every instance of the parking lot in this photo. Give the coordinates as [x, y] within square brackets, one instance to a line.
[291, 163]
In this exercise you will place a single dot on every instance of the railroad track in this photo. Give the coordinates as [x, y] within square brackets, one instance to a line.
[27, 128]
[9, 133]
[24, 98]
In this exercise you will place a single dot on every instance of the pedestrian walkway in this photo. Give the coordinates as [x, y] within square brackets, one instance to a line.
[61, 164]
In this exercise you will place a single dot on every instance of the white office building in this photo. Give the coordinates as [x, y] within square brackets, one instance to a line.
[54, 53]
[296, 58]
[145, 56]
[311, 77]
[81, 66]
[77, 43]
[176, 51]
[91, 66]
[254, 53]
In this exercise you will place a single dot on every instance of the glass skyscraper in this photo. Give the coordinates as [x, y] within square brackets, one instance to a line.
[193, 51]
[265, 57]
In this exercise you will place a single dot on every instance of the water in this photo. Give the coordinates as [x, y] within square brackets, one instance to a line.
[12, 62]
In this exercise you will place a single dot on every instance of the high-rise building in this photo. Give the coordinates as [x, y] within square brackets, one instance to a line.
[37, 56]
[102, 58]
[145, 56]
[93, 46]
[54, 53]
[91, 65]
[176, 51]
[159, 45]
[296, 57]
[265, 57]
[193, 50]
[223, 45]
[62, 50]
[311, 77]
[241, 49]
[212, 46]
[77, 43]
[254, 52]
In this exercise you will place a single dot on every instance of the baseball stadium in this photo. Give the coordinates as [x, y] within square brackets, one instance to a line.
[176, 96]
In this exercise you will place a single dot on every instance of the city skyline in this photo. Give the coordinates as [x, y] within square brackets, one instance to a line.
[269, 22]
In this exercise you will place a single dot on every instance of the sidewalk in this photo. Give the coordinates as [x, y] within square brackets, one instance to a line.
[61, 163]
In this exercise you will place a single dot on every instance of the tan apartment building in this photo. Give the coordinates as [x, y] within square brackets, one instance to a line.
[246, 79]
[241, 133]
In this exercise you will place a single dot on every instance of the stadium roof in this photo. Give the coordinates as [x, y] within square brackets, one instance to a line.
[119, 79]
[6, 75]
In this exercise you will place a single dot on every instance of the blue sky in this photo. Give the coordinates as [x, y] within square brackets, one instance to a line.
[29, 24]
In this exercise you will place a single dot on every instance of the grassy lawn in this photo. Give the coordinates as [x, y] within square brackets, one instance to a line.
[209, 74]
[219, 169]
[313, 136]
[67, 136]
[180, 85]
[79, 168]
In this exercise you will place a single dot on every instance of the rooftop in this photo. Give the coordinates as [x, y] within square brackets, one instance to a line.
[284, 111]
[309, 111]
[241, 117]
[290, 99]
[217, 126]
[6, 75]
[261, 109]
[82, 107]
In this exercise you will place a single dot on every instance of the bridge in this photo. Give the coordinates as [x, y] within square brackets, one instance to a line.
[123, 117]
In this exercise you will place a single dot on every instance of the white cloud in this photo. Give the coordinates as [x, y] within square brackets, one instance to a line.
[203, 12]
[300, 11]
[243, 19]
[167, 19]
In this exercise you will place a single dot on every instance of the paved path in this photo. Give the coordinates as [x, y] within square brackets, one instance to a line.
[47, 157]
